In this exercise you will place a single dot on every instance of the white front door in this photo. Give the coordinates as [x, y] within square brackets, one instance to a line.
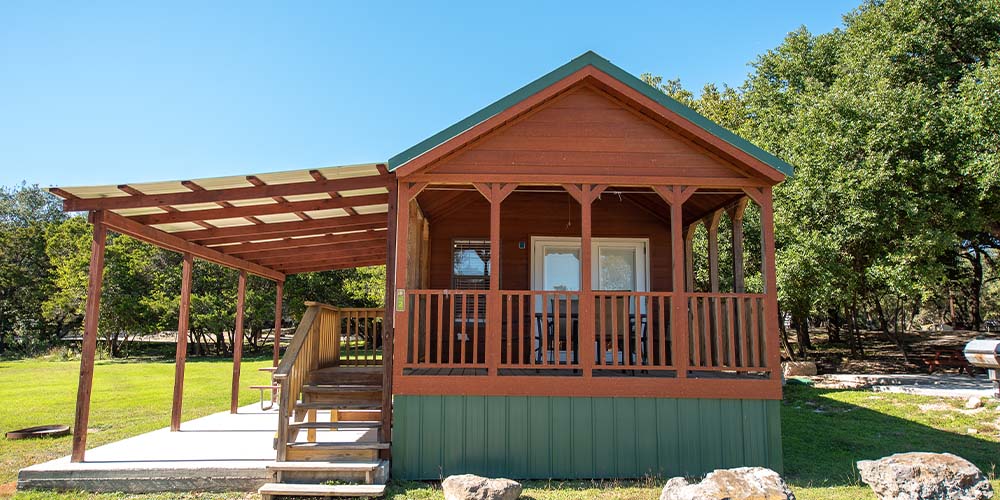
[616, 264]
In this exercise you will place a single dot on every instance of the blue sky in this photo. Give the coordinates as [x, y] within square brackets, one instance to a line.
[103, 93]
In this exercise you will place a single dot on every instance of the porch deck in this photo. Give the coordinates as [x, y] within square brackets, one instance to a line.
[219, 452]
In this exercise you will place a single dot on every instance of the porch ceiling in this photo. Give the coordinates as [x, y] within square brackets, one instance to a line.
[269, 224]
[438, 202]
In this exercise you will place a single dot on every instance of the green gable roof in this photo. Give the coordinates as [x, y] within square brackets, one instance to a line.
[588, 58]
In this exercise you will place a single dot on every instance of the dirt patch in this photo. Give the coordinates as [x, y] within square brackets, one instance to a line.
[8, 489]
[935, 407]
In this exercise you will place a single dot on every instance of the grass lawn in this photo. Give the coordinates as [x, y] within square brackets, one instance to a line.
[128, 398]
[825, 431]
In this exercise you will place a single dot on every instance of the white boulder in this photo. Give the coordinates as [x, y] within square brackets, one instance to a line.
[918, 476]
[473, 487]
[743, 483]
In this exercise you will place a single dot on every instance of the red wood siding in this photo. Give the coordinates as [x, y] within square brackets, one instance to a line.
[524, 215]
[586, 132]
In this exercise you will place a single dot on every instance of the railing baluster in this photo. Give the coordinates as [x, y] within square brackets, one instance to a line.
[761, 338]
[731, 331]
[751, 333]
[438, 327]
[427, 327]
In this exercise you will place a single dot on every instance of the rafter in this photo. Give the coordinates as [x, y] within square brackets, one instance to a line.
[291, 233]
[332, 265]
[277, 230]
[321, 256]
[289, 243]
[169, 241]
[369, 245]
[282, 207]
[230, 194]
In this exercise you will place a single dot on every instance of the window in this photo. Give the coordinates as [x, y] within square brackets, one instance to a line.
[470, 270]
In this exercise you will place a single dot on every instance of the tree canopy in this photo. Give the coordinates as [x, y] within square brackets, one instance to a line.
[892, 123]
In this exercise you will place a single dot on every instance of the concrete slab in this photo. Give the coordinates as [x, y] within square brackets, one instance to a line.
[219, 452]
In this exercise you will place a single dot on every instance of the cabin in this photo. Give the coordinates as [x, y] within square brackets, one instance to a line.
[548, 313]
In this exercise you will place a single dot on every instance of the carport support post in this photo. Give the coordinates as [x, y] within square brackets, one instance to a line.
[241, 292]
[180, 357]
[89, 344]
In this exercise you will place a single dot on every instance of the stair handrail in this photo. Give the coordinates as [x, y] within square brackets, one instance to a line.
[291, 371]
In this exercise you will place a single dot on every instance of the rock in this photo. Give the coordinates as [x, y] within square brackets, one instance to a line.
[974, 402]
[798, 368]
[744, 483]
[472, 487]
[915, 476]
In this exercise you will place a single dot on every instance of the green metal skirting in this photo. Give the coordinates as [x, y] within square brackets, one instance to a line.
[529, 437]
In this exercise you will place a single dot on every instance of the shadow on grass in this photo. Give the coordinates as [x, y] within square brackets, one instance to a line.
[823, 438]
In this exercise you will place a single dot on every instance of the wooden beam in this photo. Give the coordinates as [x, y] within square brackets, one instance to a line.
[281, 207]
[289, 243]
[229, 194]
[541, 179]
[318, 249]
[241, 292]
[278, 293]
[170, 241]
[180, 356]
[309, 231]
[334, 265]
[266, 231]
[335, 262]
[375, 250]
[91, 320]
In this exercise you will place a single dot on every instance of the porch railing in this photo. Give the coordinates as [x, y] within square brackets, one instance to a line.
[727, 332]
[632, 330]
[326, 336]
[535, 332]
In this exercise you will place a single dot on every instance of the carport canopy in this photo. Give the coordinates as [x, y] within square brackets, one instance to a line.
[269, 224]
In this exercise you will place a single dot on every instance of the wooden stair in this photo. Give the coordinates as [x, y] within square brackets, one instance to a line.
[270, 490]
[333, 436]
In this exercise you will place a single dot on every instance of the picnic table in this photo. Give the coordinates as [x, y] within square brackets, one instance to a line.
[939, 359]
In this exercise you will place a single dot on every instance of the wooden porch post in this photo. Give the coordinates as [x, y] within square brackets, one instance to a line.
[712, 225]
[688, 254]
[675, 196]
[388, 319]
[585, 195]
[180, 357]
[736, 216]
[279, 290]
[406, 191]
[763, 198]
[495, 194]
[89, 347]
[238, 341]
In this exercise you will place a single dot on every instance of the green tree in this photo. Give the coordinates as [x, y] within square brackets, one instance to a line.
[26, 214]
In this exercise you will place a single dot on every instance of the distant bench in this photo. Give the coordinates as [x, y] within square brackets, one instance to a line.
[940, 359]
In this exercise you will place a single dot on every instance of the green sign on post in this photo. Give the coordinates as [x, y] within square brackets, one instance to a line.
[400, 300]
